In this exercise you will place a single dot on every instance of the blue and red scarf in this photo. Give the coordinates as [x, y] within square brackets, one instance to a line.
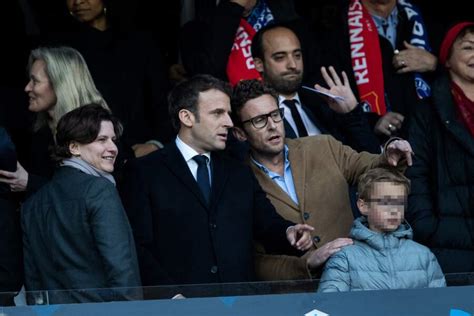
[367, 58]
[240, 65]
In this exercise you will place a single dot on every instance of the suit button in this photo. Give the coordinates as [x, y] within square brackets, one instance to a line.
[306, 216]
[316, 239]
[214, 269]
[213, 226]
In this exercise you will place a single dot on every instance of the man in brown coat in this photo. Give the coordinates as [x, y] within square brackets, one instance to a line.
[306, 179]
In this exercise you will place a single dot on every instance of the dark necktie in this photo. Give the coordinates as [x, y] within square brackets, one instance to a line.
[291, 104]
[202, 176]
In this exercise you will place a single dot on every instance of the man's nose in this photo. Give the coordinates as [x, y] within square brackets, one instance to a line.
[291, 63]
[228, 121]
[270, 123]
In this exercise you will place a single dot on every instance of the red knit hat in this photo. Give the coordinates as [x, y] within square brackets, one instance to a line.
[449, 39]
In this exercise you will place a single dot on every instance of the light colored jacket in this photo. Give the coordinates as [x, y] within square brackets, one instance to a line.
[381, 261]
[322, 168]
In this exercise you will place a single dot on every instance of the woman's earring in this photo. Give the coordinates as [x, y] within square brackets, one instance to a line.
[105, 11]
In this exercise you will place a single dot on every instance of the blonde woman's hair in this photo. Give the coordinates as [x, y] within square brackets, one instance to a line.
[70, 79]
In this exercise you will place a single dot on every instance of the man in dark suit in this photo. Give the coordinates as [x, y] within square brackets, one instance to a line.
[195, 213]
[278, 57]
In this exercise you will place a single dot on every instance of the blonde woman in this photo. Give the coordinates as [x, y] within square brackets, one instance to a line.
[60, 81]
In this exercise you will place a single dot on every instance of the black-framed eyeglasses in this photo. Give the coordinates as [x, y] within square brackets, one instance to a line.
[261, 121]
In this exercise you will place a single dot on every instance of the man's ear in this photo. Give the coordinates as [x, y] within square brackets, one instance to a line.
[186, 117]
[239, 133]
[74, 149]
[363, 206]
[258, 64]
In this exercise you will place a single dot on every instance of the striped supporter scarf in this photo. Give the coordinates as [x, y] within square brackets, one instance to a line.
[240, 65]
[367, 58]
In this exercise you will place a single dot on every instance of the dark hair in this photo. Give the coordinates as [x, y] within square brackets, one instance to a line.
[186, 95]
[82, 125]
[257, 41]
[247, 90]
[372, 176]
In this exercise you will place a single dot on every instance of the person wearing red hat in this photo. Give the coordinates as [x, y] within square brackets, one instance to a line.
[441, 204]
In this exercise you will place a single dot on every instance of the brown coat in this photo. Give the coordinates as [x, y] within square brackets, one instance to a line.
[322, 168]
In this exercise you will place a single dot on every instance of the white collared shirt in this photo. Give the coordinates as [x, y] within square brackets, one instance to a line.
[188, 153]
[310, 127]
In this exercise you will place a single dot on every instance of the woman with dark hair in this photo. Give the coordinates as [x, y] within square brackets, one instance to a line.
[75, 231]
[441, 204]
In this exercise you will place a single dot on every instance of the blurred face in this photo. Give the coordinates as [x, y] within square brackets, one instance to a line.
[86, 11]
[268, 141]
[385, 209]
[210, 125]
[461, 62]
[39, 89]
[101, 153]
[282, 66]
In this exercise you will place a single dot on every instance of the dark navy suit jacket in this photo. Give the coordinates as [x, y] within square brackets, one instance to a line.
[180, 238]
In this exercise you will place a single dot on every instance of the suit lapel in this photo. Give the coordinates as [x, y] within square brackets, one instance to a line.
[175, 162]
[312, 104]
[271, 188]
[289, 132]
[298, 167]
[220, 175]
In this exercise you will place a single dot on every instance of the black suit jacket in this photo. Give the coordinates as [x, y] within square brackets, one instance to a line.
[182, 240]
[352, 129]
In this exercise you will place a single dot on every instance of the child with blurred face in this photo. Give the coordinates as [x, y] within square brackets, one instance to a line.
[383, 200]
[383, 255]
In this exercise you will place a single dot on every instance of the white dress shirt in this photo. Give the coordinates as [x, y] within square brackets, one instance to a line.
[188, 153]
[310, 127]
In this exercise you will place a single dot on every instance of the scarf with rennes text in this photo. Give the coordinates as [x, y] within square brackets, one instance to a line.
[366, 56]
[240, 65]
